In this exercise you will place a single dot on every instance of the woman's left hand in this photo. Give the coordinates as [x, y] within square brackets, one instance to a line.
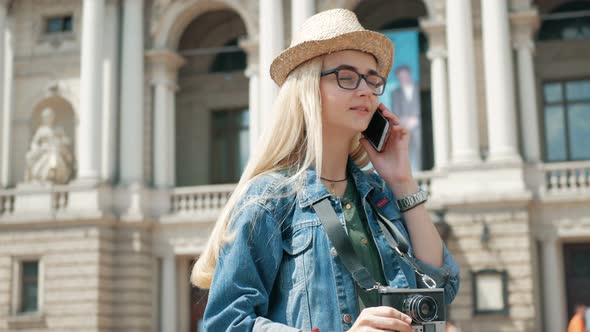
[393, 162]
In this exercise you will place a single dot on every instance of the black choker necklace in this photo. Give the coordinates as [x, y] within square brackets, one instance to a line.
[333, 184]
[333, 180]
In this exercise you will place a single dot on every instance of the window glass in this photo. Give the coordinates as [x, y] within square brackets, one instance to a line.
[230, 148]
[67, 24]
[231, 60]
[59, 24]
[579, 130]
[569, 21]
[555, 133]
[552, 92]
[54, 25]
[567, 120]
[29, 286]
[578, 90]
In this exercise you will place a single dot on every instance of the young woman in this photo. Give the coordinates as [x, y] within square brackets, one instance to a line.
[269, 263]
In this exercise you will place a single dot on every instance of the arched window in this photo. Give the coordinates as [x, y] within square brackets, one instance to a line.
[231, 58]
[212, 102]
[567, 22]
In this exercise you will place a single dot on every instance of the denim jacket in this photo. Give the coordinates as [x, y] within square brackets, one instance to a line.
[281, 273]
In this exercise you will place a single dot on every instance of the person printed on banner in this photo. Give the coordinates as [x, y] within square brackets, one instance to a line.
[406, 106]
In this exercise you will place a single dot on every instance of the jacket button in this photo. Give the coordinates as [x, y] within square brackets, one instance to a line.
[333, 252]
[347, 318]
[348, 206]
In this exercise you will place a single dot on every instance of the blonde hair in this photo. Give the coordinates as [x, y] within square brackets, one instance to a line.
[293, 141]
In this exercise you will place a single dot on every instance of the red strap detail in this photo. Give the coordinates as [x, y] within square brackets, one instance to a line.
[382, 202]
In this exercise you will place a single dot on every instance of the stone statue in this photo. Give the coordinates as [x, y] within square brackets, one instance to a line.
[49, 159]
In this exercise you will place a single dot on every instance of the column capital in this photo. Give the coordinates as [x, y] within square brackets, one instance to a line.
[436, 53]
[169, 58]
[436, 9]
[524, 24]
[164, 67]
[437, 39]
[548, 233]
[250, 46]
[251, 70]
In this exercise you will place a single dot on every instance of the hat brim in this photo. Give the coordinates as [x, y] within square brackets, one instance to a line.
[367, 41]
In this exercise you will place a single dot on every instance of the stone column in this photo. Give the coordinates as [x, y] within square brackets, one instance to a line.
[252, 71]
[437, 54]
[132, 98]
[110, 66]
[6, 54]
[300, 11]
[500, 100]
[464, 124]
[88, 131]
[164, 68]
[553, 285]
[169, 298]
[184, 294]
[271, 44]
[525, 24]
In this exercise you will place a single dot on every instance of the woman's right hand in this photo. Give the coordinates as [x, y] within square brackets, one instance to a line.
[382, 319]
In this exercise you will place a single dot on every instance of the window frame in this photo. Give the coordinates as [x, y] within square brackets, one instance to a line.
[565, 105]
[17, 285]
[55, 39]
[501, 277]
[62, 17]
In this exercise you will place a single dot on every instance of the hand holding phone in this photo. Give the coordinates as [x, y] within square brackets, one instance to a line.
[377, 131]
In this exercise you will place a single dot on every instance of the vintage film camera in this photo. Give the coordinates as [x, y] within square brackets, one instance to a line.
[426, 307]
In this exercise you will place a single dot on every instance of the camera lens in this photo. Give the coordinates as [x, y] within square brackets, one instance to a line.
[421, 308]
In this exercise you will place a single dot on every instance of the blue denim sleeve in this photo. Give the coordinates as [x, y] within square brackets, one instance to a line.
[245, 272]
[447, 276]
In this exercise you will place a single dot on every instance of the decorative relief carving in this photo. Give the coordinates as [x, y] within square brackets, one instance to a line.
[49, 159]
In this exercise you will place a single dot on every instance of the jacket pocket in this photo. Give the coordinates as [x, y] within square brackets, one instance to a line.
[297, 257]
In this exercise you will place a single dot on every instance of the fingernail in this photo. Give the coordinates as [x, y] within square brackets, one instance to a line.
[408, 320]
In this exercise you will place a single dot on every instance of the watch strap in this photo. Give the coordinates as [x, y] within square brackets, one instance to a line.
[411, 201]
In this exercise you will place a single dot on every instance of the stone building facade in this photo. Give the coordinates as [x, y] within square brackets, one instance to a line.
[164, 99]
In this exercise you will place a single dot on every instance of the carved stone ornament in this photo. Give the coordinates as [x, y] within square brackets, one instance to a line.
[49, 159]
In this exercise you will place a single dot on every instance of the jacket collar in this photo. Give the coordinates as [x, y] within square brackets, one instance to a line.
[313, 190]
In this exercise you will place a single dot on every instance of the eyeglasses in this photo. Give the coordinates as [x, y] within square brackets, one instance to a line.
[350, 79]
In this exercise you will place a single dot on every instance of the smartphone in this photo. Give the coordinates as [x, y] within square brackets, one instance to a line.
[377, 130]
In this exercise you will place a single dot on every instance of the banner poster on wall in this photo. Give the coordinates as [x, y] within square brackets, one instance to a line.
[402, 90]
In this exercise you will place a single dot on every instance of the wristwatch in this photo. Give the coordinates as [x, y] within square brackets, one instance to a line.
[411, 201]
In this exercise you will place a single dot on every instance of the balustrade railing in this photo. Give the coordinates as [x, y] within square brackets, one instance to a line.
[567, 177]
[7, 199]
[424, 180]
[205, 199]
[556, 179]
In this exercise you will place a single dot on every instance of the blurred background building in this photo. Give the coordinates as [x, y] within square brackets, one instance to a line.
[125, 125]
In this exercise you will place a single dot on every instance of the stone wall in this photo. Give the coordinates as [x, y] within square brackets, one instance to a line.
[509, 248]
[73, 278]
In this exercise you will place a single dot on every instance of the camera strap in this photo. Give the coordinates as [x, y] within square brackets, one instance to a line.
[343, 246]
[401, 246]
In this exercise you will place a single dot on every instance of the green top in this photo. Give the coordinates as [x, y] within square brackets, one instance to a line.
[362, 242]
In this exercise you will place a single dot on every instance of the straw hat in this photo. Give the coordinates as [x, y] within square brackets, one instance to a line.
[330, 31]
